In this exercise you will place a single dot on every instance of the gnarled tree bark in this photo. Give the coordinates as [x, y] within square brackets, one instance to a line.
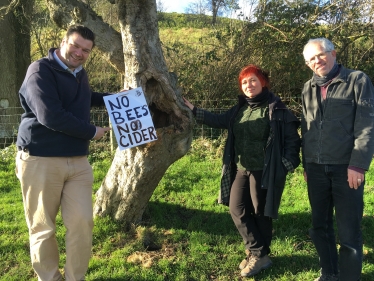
[15, 58]
[135, 173]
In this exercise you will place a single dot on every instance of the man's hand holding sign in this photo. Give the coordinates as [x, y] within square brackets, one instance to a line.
[131, 119]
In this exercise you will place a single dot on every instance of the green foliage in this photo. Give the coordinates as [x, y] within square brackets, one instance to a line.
[207, 149]
[100, 150]
[208, 60]
[103, 77]
[204, 62]
[180, 21]
[7, 156]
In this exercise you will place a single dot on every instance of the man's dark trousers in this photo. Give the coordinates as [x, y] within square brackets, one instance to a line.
[328, 189]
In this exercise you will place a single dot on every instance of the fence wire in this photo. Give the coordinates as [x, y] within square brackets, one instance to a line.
[10, 118]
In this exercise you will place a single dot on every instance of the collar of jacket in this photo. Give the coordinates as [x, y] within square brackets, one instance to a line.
[274, 102]
[52, 60]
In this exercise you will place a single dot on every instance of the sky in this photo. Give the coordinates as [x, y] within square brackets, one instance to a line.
[179, 6]
[175, 5]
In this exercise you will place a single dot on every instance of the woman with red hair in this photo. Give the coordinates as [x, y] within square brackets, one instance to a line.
[262, 146]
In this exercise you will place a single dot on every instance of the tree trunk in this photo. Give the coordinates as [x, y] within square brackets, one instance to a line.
[136, 172]
[15, 58]
[214, 12]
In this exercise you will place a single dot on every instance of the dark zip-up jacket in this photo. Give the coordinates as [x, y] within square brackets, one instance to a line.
[282, 149]
[57, 107]
[341, 129]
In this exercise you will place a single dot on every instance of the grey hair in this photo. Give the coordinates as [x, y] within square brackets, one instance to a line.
[326, 44]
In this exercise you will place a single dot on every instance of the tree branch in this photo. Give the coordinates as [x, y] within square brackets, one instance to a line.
[108, 40]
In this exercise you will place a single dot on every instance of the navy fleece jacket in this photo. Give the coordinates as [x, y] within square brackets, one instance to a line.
[57, 107]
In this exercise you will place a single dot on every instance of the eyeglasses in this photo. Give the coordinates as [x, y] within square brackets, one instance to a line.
[320, 56]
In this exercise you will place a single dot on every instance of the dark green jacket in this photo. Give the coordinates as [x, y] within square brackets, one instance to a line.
[283, 148]
[341, 131]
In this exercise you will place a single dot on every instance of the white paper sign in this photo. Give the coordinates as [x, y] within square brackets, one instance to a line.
[131, 118]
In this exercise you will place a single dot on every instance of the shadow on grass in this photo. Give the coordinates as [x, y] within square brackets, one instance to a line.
[295, 225]
[167, 215]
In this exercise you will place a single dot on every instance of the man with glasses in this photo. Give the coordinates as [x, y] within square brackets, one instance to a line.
[338, 145]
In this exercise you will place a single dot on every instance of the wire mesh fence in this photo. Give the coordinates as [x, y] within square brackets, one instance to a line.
[10, 118]
[9, 121]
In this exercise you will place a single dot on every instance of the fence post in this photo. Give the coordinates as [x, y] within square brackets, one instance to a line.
[113, 141]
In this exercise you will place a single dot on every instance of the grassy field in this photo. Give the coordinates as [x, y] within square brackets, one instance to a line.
[185, 235]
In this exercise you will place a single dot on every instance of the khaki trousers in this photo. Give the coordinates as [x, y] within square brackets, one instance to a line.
[48, 183]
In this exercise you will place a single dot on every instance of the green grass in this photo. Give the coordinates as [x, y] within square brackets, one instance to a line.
[184, 236]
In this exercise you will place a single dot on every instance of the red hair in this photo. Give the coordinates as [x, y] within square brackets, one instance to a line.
[262, 75]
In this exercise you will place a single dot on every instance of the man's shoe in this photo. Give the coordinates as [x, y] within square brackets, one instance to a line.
[327, 277]
[245, 261]
[255, 265]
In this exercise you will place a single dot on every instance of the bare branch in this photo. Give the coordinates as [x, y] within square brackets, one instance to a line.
[108, 40]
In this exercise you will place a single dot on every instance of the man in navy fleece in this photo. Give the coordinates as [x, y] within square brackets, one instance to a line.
[52, 166]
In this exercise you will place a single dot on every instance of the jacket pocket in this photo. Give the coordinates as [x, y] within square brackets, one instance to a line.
[366, 108]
